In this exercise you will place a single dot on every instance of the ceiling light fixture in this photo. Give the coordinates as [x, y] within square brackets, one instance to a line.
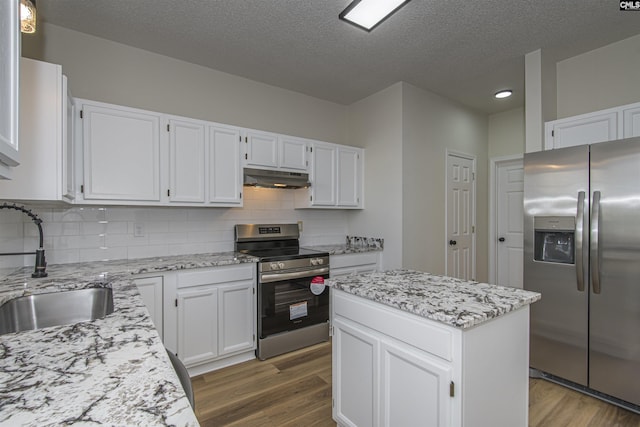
[368, 14]
[503, 94]
[28, 16]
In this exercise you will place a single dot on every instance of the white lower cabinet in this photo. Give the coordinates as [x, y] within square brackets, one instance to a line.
[392, 368]
[151, 291]
[197, 325]
[210, 316]
[382, 382]
[355, 263]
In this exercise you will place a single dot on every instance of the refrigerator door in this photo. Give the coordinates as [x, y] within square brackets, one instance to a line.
[615, 266]
[556, 209]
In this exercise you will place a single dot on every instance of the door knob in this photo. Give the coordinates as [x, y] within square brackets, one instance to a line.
[501, 239]
[452, 242]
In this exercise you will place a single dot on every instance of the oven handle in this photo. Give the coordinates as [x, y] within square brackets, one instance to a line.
[279, 277]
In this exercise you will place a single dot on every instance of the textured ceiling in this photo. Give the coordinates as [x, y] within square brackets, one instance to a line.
[463, 50]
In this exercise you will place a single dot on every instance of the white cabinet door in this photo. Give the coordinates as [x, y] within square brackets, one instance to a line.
[121, 153]
[293, 153]
[631, 120]
[323, 175]
[9, 80]
[43, 112]
[186, 161]
[582, 130]
[415, 388]
[262, 149]
[348, 176]
[225, 171]
[236, 317]
[355, 377]
[68, 148]
[197, 325]
[151, 291]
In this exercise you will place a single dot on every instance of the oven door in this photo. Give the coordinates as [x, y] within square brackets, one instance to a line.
[288, 301]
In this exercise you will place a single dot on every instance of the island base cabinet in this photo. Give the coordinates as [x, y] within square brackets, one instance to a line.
[355, 372]
[393, 368]
[382, 383]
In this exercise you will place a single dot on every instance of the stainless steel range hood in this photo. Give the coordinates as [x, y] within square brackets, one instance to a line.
[275, 179]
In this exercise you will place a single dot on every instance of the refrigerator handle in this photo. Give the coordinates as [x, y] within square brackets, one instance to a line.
[579, 242]
[595, 238]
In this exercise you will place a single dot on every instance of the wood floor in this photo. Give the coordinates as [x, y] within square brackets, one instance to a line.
[295, 390]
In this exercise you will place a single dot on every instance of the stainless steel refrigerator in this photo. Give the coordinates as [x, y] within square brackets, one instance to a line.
[582, 252]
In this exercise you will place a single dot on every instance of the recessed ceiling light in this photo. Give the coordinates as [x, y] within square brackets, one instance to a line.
[503, 93]
[368, 14]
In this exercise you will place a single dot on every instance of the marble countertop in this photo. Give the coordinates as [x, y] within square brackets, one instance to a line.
[111, 371]
[454, 302]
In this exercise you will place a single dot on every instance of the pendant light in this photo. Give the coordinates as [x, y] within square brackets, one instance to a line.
[28, 16]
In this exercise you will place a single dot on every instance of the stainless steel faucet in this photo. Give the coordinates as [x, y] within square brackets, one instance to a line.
[41, 264]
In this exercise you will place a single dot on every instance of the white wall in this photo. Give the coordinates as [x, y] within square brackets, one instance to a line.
[106, 71]
[431, 125]
[506, 133]
[376, 125]
[599, 79]
[93, 233]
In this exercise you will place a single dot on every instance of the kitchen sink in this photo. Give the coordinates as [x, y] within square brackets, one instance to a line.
[55, 309]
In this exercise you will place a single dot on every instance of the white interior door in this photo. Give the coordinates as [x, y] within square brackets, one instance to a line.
[509, 223]
[460, 216]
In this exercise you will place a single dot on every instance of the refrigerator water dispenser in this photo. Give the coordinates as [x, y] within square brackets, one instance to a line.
[554, 239]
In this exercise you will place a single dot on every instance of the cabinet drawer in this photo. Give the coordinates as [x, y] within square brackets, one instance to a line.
[215, 276]
[423, 334]
[353, 260]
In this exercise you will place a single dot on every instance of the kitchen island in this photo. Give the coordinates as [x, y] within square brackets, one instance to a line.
[112, 371]
[412, 348]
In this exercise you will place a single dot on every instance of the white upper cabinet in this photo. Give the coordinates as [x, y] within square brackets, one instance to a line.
[186, 161]
[9, 78]
[262, 149]
[293, 153]
[273, 151]
[225, 173]
[581, 130]
[121, 153]
[138, 157]
[631, 121]
[46, 135]
[599, 126]
[323, 175]
[349, 171]
[336, 177]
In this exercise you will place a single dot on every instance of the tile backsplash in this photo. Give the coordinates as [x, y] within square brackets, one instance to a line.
[96, 233]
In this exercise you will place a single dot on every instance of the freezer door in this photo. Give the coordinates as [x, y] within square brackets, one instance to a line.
[615, 265]
[555, 259]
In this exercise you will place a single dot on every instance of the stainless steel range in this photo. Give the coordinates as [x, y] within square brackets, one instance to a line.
[293, 302]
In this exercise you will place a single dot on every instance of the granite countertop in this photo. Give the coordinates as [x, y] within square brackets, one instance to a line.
[340, 249]
[454, 302]
[113, 370]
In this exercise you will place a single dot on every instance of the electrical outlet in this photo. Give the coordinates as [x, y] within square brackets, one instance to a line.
[138, 230]
[300, 226]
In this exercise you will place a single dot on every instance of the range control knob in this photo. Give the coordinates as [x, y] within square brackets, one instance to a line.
[320, 261]
[274, 265]
[314, 261]
[281, 265]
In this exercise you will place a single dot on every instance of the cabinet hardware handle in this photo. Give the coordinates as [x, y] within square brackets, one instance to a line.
[452, 243]
[501, 239]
